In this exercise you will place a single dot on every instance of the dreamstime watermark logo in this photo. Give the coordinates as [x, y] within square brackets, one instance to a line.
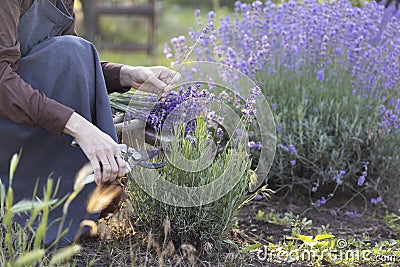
[339, 253]
[239, 86]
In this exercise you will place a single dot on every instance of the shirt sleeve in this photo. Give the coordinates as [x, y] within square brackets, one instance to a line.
[20, 102]
[111, 73]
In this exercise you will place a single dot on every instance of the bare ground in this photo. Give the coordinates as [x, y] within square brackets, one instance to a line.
[141, 250]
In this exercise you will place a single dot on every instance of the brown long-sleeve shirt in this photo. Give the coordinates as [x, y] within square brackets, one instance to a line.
[20, 102]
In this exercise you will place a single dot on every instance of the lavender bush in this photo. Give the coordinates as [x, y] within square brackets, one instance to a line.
[196, 225]
[331, 73]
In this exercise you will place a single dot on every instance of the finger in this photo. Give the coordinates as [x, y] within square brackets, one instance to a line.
[105, 168]
[166, 92]
[96, 169]
[136, 85]
[175, 77]
[114, 168]
[153, 80]
[169, 76]
[121, 165]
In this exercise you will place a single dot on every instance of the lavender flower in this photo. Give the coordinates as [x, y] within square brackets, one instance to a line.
[192, 139]
[391, 116]
[307, 32]
[255, 145]
[364, 174]
[285, 148]
[220, 133]
[262, 39]
[315, 186]
[319, 202]
[258, 197]
[156, 115]
[292, 149]
[281, 146]
[320, 76]
[377, 200]
[361, 180]
[338, 177]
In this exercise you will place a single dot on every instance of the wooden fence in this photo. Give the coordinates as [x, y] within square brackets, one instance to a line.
[95, 9]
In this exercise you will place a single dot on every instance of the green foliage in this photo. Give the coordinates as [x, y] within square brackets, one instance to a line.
[392, 220]
[325, 249]
[208, 3]
[204, 223]
[288, 219]
[21, 245]
[332, 129]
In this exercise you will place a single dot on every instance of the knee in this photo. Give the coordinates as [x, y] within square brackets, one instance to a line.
[70, 43]
[66, 47]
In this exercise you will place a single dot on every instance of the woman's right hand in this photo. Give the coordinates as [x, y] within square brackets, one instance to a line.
[102, 151]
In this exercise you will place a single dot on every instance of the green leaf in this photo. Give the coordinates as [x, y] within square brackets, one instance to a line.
[13, 166]
[308, 240]
[252, 247]
[305, 238]
[27, 205]
[323, 236]
[260, 215]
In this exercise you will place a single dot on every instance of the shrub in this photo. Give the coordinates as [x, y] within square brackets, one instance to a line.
[331, 73]
[196, 224]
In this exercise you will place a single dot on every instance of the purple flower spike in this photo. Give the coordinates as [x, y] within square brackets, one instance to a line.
[364, 174]
[190, 98]
[285, 148]
[255, 145]
[220, 133]
[292, 149]
[361, 180]
[258, 197]
[320, 76]
[377, 200]
[211, 15]
[320, 202]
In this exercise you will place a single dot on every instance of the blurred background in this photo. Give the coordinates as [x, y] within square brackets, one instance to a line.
[134, 31]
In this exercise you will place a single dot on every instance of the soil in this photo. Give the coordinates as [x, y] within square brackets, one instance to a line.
[250, 231]
[340, 224]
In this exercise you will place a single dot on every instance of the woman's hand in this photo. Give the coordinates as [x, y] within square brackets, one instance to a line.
[157, 80]
[102, 151]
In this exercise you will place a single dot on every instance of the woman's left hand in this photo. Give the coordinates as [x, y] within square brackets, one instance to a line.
[157, 80]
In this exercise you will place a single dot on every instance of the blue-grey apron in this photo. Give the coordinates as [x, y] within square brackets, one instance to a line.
[67, 69]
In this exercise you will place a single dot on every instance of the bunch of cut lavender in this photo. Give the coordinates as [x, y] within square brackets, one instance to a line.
[182, 106]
